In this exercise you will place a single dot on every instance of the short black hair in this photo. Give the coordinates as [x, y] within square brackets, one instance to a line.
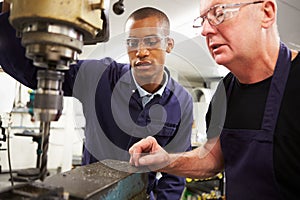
[145, 12]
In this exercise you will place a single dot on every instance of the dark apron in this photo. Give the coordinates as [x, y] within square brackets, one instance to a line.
[248, 154]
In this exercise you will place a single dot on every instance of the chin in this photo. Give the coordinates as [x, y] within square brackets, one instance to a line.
[221, 59]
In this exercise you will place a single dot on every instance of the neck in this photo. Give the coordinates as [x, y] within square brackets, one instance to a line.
[257, 67]
[152, 85]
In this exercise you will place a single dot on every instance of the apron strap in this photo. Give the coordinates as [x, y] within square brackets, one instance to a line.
[277, 89]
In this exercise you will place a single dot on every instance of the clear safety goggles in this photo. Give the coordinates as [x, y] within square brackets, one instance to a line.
[146, 37]
[148, 42]
[217, 14]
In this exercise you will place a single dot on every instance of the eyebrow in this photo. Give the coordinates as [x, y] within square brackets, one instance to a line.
[205, 11]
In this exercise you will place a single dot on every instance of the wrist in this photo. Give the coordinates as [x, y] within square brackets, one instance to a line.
[174, 161]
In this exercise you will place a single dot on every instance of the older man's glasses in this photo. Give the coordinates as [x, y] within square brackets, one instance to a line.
[148, 42]
[219, 13]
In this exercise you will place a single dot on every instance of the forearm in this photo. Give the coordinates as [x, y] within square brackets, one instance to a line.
[202, 162]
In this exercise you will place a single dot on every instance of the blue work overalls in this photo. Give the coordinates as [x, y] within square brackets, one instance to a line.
[248, 154]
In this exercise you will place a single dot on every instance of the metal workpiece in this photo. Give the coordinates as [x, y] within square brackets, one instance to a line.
[102, 181]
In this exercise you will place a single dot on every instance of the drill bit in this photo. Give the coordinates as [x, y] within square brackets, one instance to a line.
[45, 131]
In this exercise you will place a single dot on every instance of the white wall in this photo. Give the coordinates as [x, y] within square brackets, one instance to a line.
[65, 140]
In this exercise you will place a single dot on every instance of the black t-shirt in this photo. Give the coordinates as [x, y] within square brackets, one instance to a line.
[245, 109]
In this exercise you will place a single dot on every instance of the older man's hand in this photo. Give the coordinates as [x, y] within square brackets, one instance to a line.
[149, 153]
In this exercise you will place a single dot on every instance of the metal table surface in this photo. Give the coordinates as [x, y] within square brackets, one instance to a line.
[106, 180]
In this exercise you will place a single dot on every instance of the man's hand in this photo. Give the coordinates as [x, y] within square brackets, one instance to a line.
[148, 152]
[5, 6]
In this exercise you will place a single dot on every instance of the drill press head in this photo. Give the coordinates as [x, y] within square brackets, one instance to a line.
[53, 33]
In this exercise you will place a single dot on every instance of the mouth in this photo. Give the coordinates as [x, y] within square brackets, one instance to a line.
[140, 64]
[215, 46]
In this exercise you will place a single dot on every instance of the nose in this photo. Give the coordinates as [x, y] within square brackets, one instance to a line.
[142, 51]
[207, 28]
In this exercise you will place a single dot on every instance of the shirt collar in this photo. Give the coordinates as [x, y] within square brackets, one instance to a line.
[159, 92]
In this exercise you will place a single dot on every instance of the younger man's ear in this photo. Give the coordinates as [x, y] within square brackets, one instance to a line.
[170, 45]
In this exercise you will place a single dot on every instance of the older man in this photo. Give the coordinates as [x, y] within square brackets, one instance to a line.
[257, 140]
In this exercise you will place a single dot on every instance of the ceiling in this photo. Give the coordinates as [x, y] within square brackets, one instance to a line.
[190, 58]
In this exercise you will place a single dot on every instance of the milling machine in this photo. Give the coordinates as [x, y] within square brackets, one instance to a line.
[53, 38]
